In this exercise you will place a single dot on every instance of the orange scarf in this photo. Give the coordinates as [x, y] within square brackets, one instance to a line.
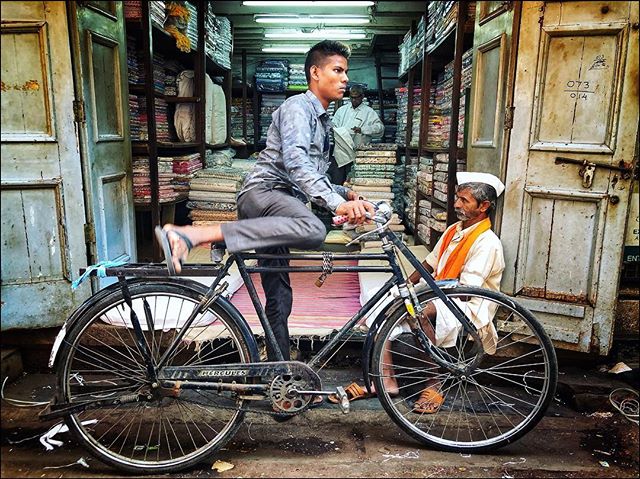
[458, 256]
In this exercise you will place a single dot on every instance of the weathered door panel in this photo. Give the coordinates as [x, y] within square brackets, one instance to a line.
[101, 84]
[42, 245]
[492, 44]
[576, 97]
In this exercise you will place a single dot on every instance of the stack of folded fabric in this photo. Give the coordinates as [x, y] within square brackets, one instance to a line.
[297, 77]
[187, 164]
[218, 38]
[440, 176]
[158, 73]
[415, 125]
[410, 185]
[272, 75]
[237, 119]
[172, 68]
[437, 220]
[138, 118]
[398, 187]
[135, 71]
[467, 64]
[425, 178]
[212, 195]
[401, 125]
[192, 26]
[374, 161]
[141, 180]
[158, 14]
[166, 188]
[133, 10]
[270, 103]
[215, 158]
[424, 213]
[162, 121]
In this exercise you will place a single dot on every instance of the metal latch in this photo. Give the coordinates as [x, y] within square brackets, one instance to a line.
[588, 169]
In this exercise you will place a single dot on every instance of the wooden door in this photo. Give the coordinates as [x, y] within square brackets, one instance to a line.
[493, 44]
[99, 52]
[43, 213]
[576, 97]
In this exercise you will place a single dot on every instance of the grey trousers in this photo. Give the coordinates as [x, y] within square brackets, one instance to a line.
[272, 220]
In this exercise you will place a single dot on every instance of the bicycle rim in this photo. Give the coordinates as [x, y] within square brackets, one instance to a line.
[498, 402]
[101, 361]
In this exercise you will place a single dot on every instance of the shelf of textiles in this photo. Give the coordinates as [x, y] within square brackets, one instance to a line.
[175, 27]
[174, 175]
[432, 196]
[439, 118]
[441, 26]
[411, 49]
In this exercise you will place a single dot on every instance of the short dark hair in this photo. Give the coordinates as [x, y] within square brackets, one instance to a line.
[481, 192]
[320, 51]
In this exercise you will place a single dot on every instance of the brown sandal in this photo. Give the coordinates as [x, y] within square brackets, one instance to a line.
[354, 392]
[429, 401]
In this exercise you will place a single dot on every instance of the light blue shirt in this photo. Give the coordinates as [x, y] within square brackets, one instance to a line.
[297, 153]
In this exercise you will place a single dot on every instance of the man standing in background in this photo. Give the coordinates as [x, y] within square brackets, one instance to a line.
[360, 119]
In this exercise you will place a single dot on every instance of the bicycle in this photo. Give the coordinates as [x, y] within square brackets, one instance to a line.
[155, 374]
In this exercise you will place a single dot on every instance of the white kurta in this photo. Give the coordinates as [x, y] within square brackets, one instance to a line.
[363, 117]
[483, 268]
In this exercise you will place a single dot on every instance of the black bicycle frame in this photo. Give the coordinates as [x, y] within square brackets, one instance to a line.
[397, 279]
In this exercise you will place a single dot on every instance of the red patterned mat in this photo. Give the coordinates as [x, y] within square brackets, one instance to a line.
[323, 309]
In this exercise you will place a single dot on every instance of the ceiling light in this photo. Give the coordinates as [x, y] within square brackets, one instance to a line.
[306, 4]
[318, 34]
[286, 49]
[314, 19]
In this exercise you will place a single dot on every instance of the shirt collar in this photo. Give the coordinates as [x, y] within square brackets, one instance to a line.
[461, 233]
[317, 106]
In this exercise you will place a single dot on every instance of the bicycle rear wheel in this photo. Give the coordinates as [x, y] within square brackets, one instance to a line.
[502, 399]
[152, 432]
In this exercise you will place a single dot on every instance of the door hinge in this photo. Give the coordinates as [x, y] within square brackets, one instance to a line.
[508, 117]
[78, 111]
[89, 234]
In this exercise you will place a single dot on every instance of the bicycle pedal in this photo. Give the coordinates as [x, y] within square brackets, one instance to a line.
[344, 400]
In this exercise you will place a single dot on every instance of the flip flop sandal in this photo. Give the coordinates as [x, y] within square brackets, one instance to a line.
[429, 401]
[354, 392]
[163, 238]
[316, 403]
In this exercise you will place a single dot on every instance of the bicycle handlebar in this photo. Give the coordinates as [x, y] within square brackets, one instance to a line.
[383, 214]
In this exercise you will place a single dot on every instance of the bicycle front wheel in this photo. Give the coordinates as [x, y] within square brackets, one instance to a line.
[499, 401]
[137, 428]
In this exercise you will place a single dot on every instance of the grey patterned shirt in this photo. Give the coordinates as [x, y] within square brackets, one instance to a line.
[296, 157]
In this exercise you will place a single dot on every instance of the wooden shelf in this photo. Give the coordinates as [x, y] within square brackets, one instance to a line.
[181, 99]
[146, 206]
[216, 147]
[436, 150]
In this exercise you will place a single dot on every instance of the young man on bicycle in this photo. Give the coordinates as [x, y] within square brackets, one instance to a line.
[289, 172]
[470, 252]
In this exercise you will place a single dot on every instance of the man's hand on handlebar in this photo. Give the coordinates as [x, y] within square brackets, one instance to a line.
[356, 211]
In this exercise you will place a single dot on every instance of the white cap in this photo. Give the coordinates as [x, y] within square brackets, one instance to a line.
[473, 177]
